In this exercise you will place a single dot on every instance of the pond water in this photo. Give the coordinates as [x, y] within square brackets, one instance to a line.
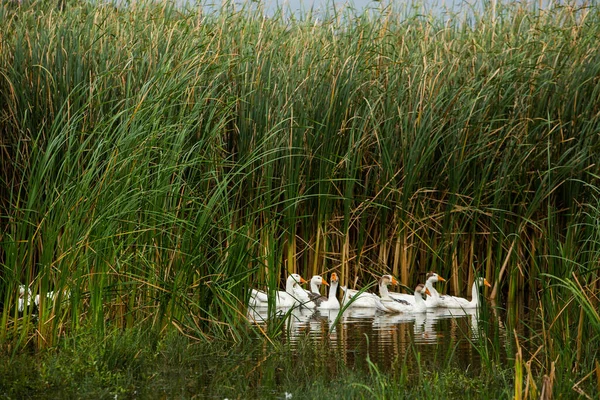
[444, 8]
[437, 336]
[320, 7]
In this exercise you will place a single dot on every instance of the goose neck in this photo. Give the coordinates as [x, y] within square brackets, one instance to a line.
[419, 299]
[333, 290]
[383, 291]
[314, 287]
[475, 293]
[289, 285]
[434, 293]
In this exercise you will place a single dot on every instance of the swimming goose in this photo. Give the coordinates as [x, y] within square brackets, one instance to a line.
[331, 302]
[315, 285]
[310, 298]
[362, 300]
[24, 296]
[433, 300]
[395, 305]
[52, 296]
[289, 298]
[434, 297]
[461, 302]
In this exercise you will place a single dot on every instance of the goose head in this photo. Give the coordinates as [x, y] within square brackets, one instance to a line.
[432, 276]
[388, 280]
[334, 278]
[422, 289]
[483, 281]
[296, 278]
[318, 280]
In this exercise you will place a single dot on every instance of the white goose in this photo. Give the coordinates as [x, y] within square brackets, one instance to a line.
[461, 302]
[258, 298]
[309, 297]
[362, 300]
[24, 296]
[399, 305]
[52, 296]
[289, 298]
[432, 300]
[315, 285]
[331, 302]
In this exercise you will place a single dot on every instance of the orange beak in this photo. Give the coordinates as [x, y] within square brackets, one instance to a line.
[334, 277]
[394, 281]
[302, 280]
[440, 279]
[486, 283]
[325, 282]
[427, 291]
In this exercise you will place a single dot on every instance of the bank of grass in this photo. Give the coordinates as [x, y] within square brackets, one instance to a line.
[159, 161]
[142, 365]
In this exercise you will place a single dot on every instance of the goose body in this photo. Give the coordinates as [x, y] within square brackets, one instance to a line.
[362, 300]
[395, 305]
[258, 298]
[24, 297]
[315, 285]
[52, 296]
[461, 302]
[312, 298]
[291, 297]
[432, 300]
[402, 296]
[331, 302]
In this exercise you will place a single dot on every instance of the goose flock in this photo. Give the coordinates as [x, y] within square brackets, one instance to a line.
[26, 297]
[425, 297]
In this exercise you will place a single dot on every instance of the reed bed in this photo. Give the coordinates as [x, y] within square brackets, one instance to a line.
[158, 161]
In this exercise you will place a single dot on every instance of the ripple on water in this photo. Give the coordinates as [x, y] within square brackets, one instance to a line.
[385, 338]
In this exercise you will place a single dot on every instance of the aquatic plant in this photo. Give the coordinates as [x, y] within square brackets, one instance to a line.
[158, 160]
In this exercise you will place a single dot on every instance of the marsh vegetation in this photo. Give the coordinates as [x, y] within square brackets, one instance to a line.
[157, 162]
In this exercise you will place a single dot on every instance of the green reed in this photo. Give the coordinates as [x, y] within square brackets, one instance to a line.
[159, 161]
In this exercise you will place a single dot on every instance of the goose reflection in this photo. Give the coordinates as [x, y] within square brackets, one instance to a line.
[434, 326]
[472, 314]
[430, 332]
[297, 318]
[258, 315]
[424, 329]
[298, 322]
[387, 320]
[331, 316]
[358, 315]
[392, 330]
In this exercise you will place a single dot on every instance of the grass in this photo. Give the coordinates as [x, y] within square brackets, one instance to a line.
[138, 364]
[159, 161]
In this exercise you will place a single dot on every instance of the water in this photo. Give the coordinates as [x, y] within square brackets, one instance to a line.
[389, 340]
[321, 8]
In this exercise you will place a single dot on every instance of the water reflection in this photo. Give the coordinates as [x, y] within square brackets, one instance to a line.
[386, 338]
[447, 9]
[426, 327]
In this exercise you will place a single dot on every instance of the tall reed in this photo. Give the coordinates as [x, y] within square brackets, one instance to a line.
[158, 161]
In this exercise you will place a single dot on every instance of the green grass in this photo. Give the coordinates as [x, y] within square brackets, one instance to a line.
[138, 364]
[143, 364]
[158, 162]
